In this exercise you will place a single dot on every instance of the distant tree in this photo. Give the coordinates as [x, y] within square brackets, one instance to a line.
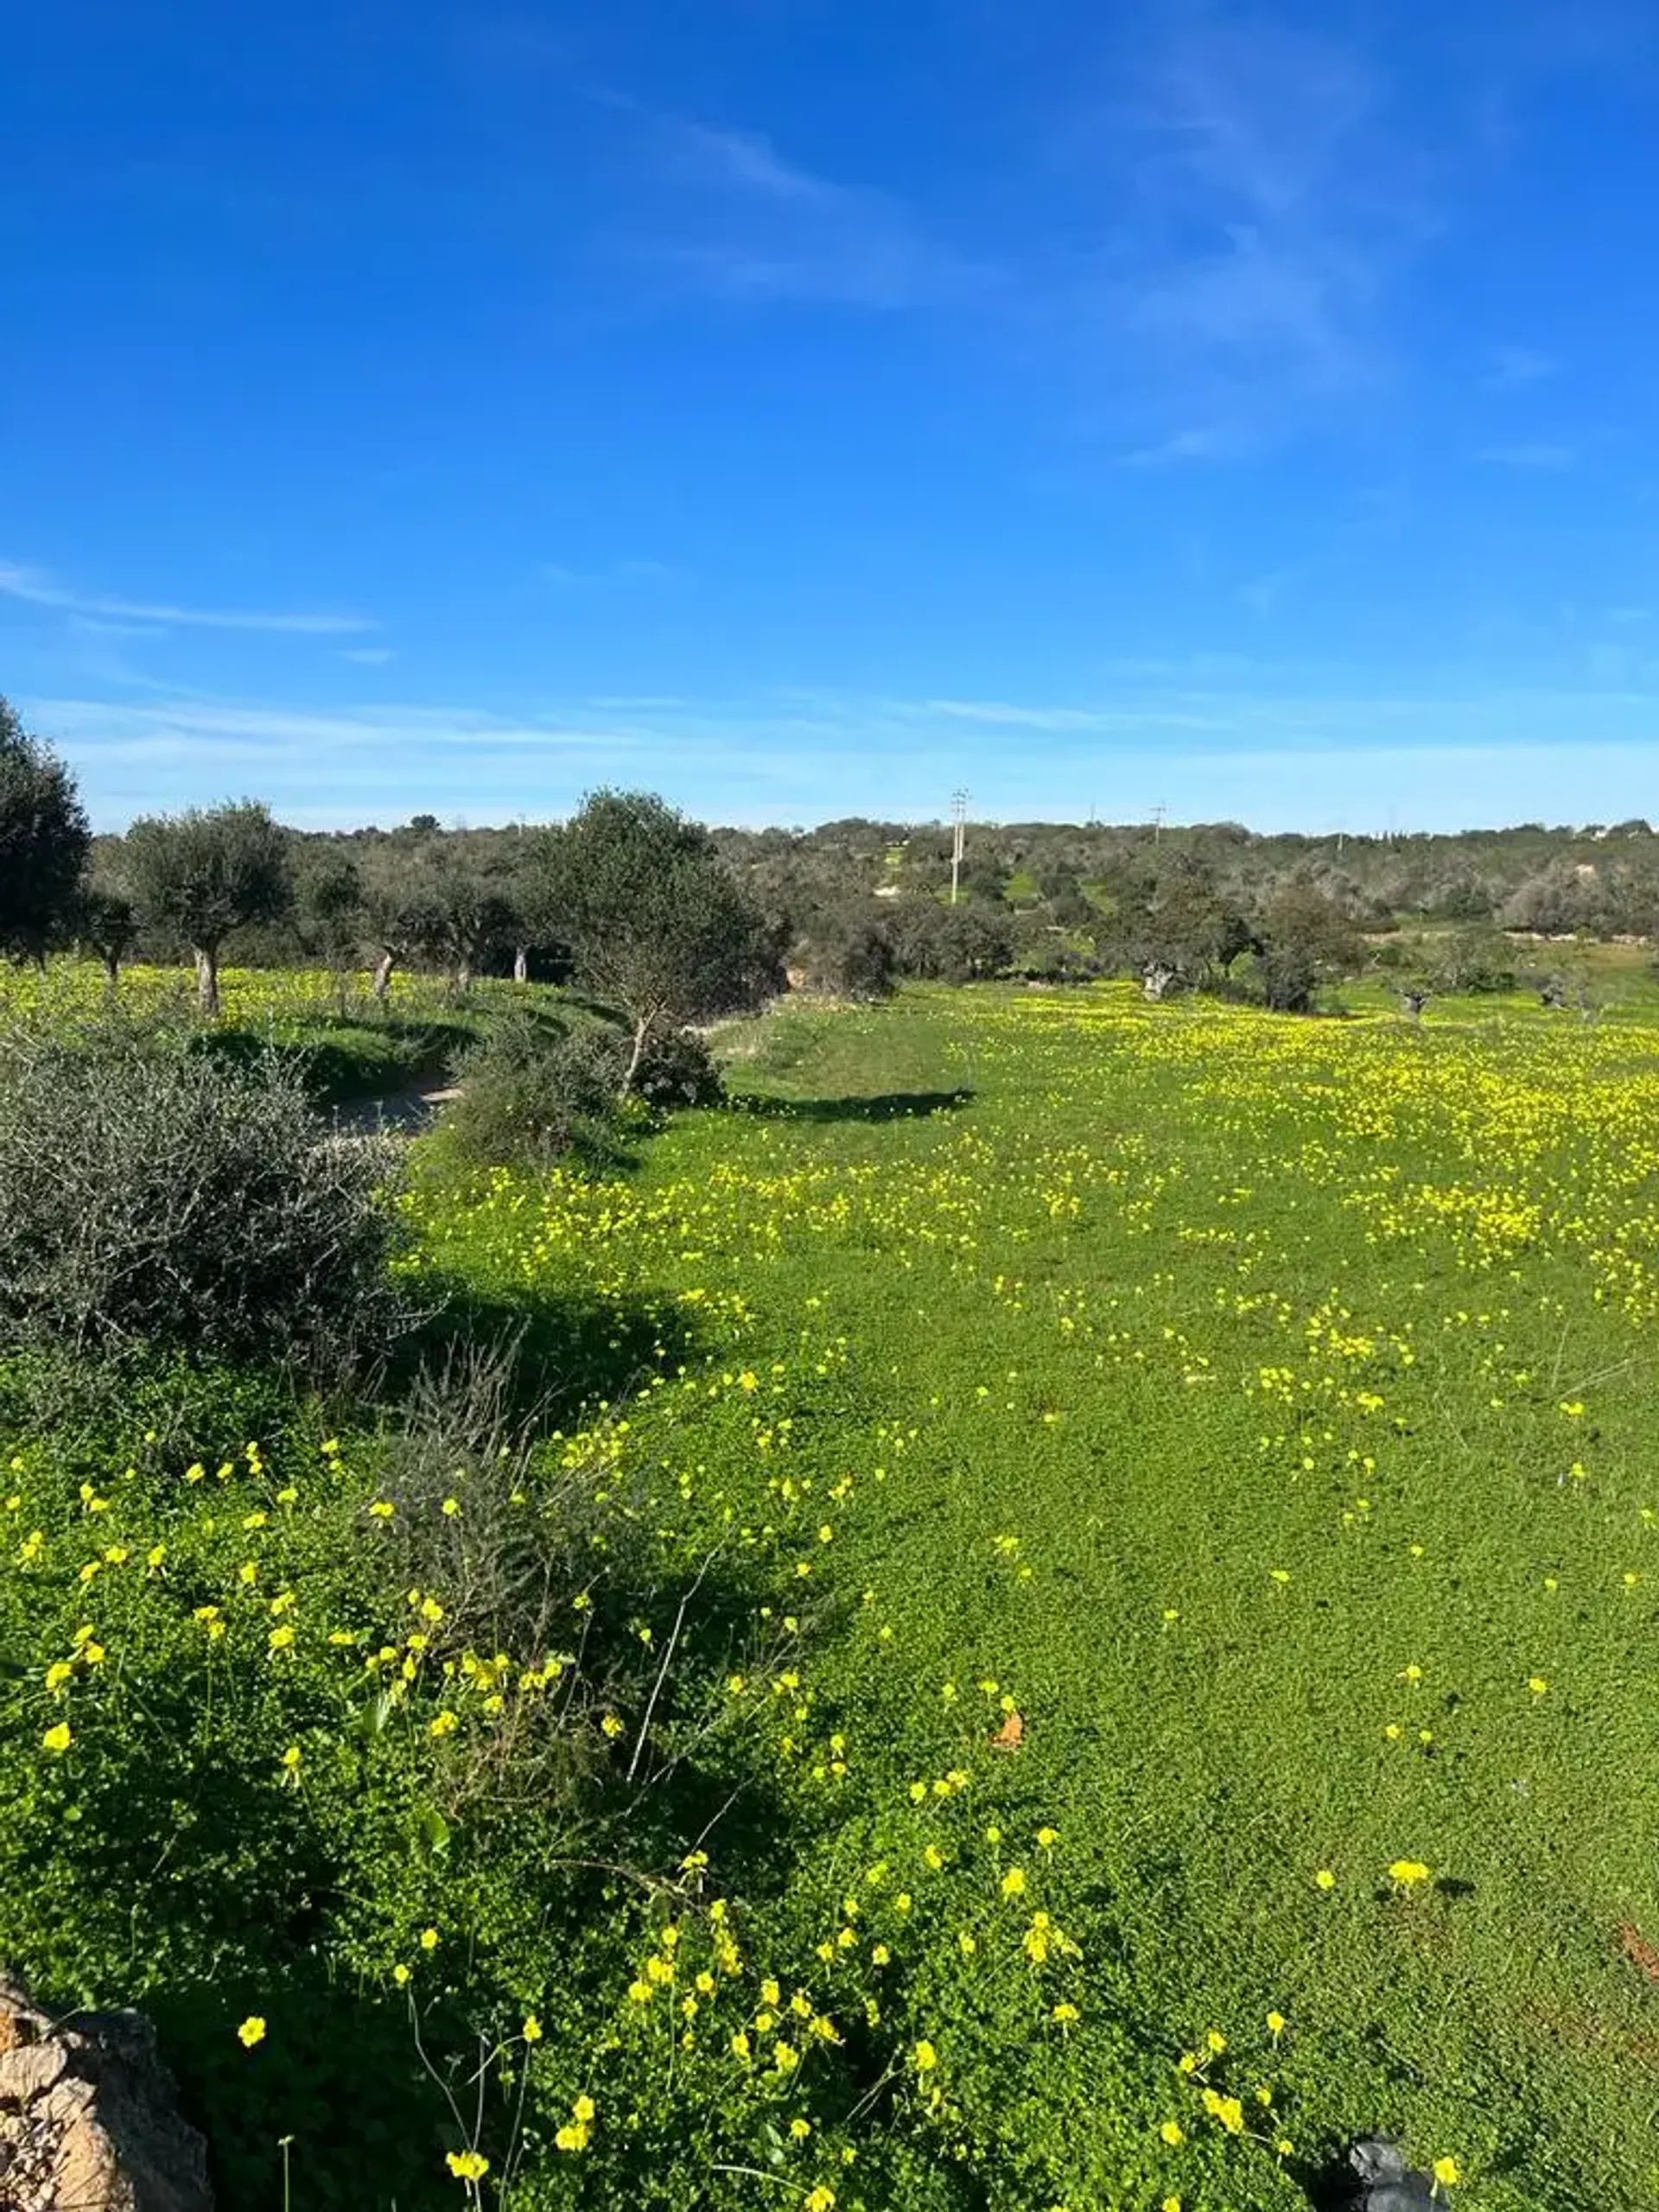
[982, 880]
[401, 916]
[915, 928]
[1572, 983]
[1306, 940]
[1472, 960]
[203, 874]
[468, 913]
[850, 954]
[1172, 926]
[1560, 900]
[975, 942]
[105, 922]
[527, 922]
[44, 839]
[1460, 898]
[660, 928]
[329, 909]
[1041, 952]
[1068, 909]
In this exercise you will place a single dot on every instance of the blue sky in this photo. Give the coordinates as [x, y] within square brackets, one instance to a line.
[804, 407]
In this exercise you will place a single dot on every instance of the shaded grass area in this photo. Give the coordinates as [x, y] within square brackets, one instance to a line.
[342, 1061]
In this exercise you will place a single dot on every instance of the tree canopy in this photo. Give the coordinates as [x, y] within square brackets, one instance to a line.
[202, 873]
[658, 926]
[44, 840]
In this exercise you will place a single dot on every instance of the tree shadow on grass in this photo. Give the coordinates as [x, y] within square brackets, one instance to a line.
[557, 1355]
[343, 1058]
[888, 1106]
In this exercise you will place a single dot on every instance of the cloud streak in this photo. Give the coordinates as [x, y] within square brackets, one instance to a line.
[1273, 198]
[733, 217]
[1279, 747]
[1516, 366]
[35, 589]
[1541, 454]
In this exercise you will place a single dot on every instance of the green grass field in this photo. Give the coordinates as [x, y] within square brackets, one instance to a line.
[1174, 1491]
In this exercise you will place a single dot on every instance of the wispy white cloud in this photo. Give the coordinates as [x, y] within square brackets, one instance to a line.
[735, 218]
[1262, 200]
[1207, 442]
[616, 572]
[213, 727]
[1519, 365]
[367, 656]
[1275, 745]
[35, 589]
[1274, 195]
[999, 714]
[748, 160]
[1537, 455]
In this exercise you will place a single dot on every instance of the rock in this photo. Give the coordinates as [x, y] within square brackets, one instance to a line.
[89, 2118]
[1377, 2178]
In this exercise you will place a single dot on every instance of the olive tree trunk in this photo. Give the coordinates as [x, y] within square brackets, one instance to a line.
[208, 980]
[641, 1033]
[382, 968]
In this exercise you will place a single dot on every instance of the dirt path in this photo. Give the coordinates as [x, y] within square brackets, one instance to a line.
[398, 1113]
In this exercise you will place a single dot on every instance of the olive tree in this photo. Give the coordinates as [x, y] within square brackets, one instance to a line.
[328, 911]
[400, 911]
[105, 922]
[1307, 939]
[659, 928]
[468, 913]
[202, 873]
[44, 840]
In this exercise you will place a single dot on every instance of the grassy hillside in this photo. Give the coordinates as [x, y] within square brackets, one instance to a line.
[1149, 1514]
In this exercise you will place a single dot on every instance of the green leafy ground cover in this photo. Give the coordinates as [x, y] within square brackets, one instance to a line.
[345, 1042]
[1104, 1617]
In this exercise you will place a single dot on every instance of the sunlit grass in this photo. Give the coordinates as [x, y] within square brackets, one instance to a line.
[1186, 1484]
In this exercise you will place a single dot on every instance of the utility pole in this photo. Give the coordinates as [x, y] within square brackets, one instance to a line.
[1157, 814]
[959, 822]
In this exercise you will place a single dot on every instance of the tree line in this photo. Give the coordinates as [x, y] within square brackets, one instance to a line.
[850, 907]
[633, 900]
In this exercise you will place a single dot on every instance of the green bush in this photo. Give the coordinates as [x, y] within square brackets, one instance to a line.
[151, 1197]
[532, 1093]
[678, 1069]
[1474, 960]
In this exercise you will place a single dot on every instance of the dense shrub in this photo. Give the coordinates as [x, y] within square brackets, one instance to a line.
[532, 1093]
[1474, 960]
[678, 1069]
[848, 956]
[152, 1196]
